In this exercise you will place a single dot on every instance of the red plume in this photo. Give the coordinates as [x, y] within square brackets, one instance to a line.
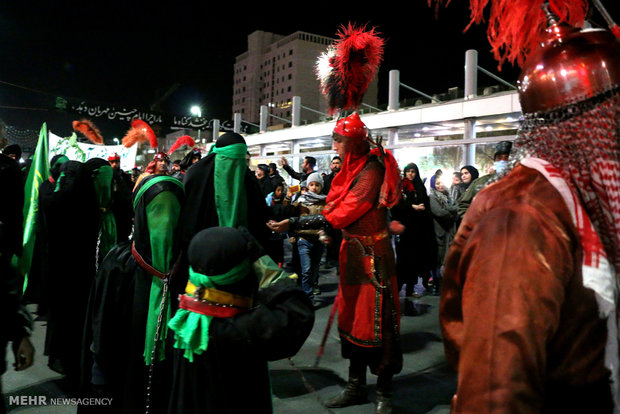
[184, 140]
[139, 132]
[515, 27]
[348, 67]
[89, 130]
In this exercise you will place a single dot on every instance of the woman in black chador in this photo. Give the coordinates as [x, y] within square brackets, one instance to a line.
[129, 294]
[72, 223]
[416, 248]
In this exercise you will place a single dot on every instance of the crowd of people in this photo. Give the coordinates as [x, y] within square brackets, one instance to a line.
[180, 308]
[112, 256]
[129, 239]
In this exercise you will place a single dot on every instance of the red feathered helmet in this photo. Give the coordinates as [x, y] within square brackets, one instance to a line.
[353, 133]
[114, 157]
[161, 156]
[352, 128]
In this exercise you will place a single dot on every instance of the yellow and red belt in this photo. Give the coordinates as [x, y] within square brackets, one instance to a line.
[190, 303]
[367, 240]
[213, 302]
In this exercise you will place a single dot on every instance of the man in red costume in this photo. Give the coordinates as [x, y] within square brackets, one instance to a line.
[159, 165]
[529, 302]
[368, 308]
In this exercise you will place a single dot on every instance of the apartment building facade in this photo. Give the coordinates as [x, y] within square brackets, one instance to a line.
[274, 69]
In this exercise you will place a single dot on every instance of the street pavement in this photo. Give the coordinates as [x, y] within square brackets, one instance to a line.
[301, 384]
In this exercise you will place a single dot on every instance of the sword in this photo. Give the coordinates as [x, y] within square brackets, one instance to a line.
[326, 333]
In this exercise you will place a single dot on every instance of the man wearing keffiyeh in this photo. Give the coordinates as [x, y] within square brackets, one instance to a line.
[529, 302]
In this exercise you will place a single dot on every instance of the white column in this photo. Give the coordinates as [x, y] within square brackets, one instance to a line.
[216, 129]
[296, 113]
[471, 91]
[393, 91]
[263, 118]
[237, 122]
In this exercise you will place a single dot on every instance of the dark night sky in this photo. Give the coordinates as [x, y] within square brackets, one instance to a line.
[129, 54]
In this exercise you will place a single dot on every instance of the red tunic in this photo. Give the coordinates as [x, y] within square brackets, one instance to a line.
[360, 303]
[518, 324]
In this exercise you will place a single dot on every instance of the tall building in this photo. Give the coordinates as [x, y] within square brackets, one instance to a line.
[276, 68]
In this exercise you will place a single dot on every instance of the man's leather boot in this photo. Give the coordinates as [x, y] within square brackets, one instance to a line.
[384, 403]
[354, 393]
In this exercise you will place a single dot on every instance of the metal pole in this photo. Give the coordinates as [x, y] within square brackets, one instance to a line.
[471, 75]
[216, 129]
[393, 98]
[420, 93]
[471, 88]
[469, 152]
[371, 107]
[296, 111]
[313, 110]
[497, 78]
[264, 114]
[392, 137]
[237, 122]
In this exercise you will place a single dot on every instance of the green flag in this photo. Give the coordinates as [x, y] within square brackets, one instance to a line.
[39, 171]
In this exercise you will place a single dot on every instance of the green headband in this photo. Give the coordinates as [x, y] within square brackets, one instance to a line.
[233, 275]
[231, 151]
[152, 182]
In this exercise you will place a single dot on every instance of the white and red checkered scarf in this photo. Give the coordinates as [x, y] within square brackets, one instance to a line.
[583, 143]
[577, 149]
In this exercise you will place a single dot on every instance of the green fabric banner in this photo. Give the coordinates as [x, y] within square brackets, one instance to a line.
[39, 172]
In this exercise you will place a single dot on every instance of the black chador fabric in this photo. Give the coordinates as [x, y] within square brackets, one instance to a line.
[39, 268]
[38, 277]
[114, 362]
[416, 247]
[199, 211]
[231, 375]
[71, 220]
[117, 316]
[12, 203]
[15, 321]
[121, 204]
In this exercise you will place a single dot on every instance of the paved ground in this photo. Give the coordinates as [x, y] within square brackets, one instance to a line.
[299, 385]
